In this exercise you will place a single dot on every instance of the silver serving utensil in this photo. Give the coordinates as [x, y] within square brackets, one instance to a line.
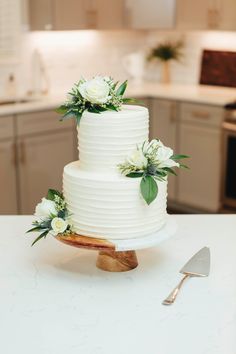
[197, 266]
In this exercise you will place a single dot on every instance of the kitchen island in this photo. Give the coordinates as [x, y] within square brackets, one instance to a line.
[54, 300]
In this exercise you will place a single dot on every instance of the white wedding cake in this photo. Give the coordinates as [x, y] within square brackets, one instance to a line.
[102, 202]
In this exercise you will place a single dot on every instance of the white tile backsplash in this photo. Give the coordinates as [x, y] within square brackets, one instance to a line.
[68, 55]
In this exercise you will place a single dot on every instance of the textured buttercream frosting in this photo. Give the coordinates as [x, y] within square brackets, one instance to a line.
[106, 139]
[102, 202]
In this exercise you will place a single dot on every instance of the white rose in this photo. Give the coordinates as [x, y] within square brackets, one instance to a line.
[58, 225]
[95, 91]
[44, 209]
[138, 160]
[164, 153]
[168, 163]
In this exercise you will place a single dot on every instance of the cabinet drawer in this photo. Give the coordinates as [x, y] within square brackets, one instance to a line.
[6, 127]
[201, 114]
[43, 121]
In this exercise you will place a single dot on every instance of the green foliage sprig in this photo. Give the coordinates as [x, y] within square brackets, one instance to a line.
[151, 162]
[53, 216]
[97, 95]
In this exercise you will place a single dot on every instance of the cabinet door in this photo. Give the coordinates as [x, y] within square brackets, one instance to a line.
[41, 15]
[200, 186]
[163, 125]
[227, 15]
[148, 14]
[192, 14]
[110, 14]
[41, 161]
[8, 194]
[70, 14]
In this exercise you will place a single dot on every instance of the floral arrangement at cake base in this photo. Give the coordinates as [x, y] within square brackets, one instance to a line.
[52, 216]
[151, 162]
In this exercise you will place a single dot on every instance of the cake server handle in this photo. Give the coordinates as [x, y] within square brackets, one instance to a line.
[172, 296]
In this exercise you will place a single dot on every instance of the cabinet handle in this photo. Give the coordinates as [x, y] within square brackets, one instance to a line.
[201, 115]
[173, 117]
[22, 153]
[14, 154]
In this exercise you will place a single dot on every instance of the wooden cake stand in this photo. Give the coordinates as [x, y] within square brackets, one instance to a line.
[119, 255]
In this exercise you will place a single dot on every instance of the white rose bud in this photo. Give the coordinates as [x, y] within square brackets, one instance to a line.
[95, 91]
[164, 153]
[44, 209]
[138, 160]
[58, 225]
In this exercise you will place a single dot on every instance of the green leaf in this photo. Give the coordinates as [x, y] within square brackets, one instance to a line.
[51, 194]
[135, 174]
[44, 234]
[111, 107]
[34, 229]
[94, 109]
[170, 170]
[149, 189]
[62, 109]
[121, 89]
[183, 166]
[179, 157]
[129, 100]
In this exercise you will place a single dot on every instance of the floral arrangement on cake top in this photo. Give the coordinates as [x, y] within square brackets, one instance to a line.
[53, 216]
[151, 161]
[96, 95]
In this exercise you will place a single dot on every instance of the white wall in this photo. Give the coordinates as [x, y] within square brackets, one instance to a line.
[68, 55]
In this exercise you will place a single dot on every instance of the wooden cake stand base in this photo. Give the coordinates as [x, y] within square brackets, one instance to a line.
[119, 255]
[108, 258]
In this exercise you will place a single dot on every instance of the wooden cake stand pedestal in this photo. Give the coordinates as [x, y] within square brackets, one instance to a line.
[119, 255]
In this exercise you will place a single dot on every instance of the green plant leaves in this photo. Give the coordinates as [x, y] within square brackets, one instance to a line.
[121, 89]
[135, 174]
[149, 189]
[44, 234]
[179, 157]
[52, 192]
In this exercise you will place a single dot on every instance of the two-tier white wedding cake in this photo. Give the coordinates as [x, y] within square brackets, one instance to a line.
[118, 187]
[102, 202]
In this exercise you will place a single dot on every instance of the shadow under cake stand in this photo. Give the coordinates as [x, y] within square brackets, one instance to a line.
[119, 255]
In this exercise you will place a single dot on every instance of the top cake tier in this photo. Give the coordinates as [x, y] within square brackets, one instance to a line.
[106, 139]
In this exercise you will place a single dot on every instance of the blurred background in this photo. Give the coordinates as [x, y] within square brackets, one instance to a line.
[180, 59]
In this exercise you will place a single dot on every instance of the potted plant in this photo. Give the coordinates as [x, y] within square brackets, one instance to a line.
[165, 52]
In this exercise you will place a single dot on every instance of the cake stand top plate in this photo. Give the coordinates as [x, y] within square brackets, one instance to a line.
[154, 239]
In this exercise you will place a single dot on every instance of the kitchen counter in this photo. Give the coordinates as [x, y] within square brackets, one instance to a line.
[211, 95]
[55, 301]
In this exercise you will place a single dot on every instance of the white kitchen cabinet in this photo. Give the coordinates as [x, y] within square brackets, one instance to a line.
[163, 125]
[41, 160]
[150, 14]
[8, 194]
[199, 187]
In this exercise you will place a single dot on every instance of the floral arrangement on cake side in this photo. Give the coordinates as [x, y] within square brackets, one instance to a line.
[96, 95]
[151, 161]
[53, 216]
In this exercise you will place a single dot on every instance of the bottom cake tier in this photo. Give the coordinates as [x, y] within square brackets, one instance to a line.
[111, 206]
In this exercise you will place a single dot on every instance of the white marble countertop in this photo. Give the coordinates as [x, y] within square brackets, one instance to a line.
[211, 95]
[53, 300]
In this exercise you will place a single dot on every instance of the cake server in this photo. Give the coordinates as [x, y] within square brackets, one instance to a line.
[197, 266]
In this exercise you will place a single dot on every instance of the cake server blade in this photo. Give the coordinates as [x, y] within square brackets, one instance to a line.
[197, 266]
